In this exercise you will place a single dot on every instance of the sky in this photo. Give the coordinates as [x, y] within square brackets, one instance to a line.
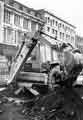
[68, 10]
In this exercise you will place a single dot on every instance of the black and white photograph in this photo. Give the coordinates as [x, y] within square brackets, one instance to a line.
[41, 60]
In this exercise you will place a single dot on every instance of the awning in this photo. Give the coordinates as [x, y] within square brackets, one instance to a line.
[52, 42]
[8, 50]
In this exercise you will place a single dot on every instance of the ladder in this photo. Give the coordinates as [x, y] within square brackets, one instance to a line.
[23, 54]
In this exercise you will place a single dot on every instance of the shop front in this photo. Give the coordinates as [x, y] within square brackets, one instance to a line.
[7, 53]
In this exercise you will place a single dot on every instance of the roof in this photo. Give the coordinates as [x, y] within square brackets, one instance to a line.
[44, 10]
[28, 12]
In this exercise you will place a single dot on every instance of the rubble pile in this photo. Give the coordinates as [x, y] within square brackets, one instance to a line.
[58, 104]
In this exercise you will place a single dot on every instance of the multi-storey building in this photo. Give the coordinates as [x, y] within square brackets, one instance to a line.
[15, 20]
[55, 31]
[58, 28]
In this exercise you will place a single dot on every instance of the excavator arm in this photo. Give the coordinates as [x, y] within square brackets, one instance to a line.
[23, 54]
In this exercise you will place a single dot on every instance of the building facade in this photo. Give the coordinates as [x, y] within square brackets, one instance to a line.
[55, 31]
[16, 19]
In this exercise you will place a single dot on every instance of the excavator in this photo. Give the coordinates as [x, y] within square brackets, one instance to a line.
[22, 55]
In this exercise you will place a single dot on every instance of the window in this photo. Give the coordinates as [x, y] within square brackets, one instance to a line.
[18, 37]
[67, 36]
[56, 23]
[63, 26]
[72, 38]
[59, 25]
[25, 23]
[33, 26]
[17, 20]
[60, 35]
[56, 32]
[7, 16]
[48, 29]
[9, 36]
[68, 29]
[53, 22]
[63, 35]
[20, 7]
[48, 20]
[4, 35]
[53, 31]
